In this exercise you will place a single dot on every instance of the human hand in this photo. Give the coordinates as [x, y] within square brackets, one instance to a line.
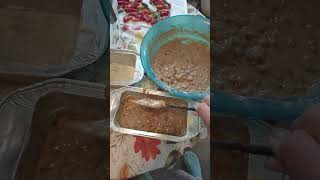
[203, 110]
[298, 152]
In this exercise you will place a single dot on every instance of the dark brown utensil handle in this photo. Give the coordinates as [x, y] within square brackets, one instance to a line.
[246, 148]
[180, 107]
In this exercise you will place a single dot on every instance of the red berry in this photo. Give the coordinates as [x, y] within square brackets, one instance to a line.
[121, 3]
[160, 7]
[130, 9]
[164, 12]
[127, 19]
[134, 19]
[125, 27]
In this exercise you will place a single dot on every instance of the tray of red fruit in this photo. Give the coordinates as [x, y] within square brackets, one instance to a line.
[136, 17]
[148, 12]
[139, 11]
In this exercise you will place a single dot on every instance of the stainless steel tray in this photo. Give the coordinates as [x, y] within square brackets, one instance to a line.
[25, 118]
[91, 42]
[193, 121]
[139, 71]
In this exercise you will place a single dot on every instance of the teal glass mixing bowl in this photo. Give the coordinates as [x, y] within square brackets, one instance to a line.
[193, 28]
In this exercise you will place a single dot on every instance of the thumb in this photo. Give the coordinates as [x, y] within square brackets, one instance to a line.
[297, 151]
[203, 111]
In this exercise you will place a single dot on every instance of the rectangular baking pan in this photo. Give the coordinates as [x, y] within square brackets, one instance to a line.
[193, 121]
[37, 141]
[51, 38]
[139, 71]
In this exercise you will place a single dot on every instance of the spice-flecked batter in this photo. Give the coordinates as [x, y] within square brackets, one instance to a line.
[183, 66]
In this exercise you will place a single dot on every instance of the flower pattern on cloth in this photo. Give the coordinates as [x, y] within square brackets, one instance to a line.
[147, 146]
[126, 162]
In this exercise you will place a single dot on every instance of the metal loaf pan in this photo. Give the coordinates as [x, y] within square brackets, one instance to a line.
[37, 143]
[193, 121]
[90, 37]
[139, 71]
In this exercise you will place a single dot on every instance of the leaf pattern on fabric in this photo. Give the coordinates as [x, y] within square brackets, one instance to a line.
[124, 172]
[147, 146]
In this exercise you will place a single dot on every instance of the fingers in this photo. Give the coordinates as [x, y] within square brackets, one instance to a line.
[203, 111]
[310, 122]
[275, 165]
[278, 135]
[299, 154]
[276, 139]
[206, 100]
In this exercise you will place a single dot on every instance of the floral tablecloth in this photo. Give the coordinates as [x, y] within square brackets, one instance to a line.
[132, 155]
